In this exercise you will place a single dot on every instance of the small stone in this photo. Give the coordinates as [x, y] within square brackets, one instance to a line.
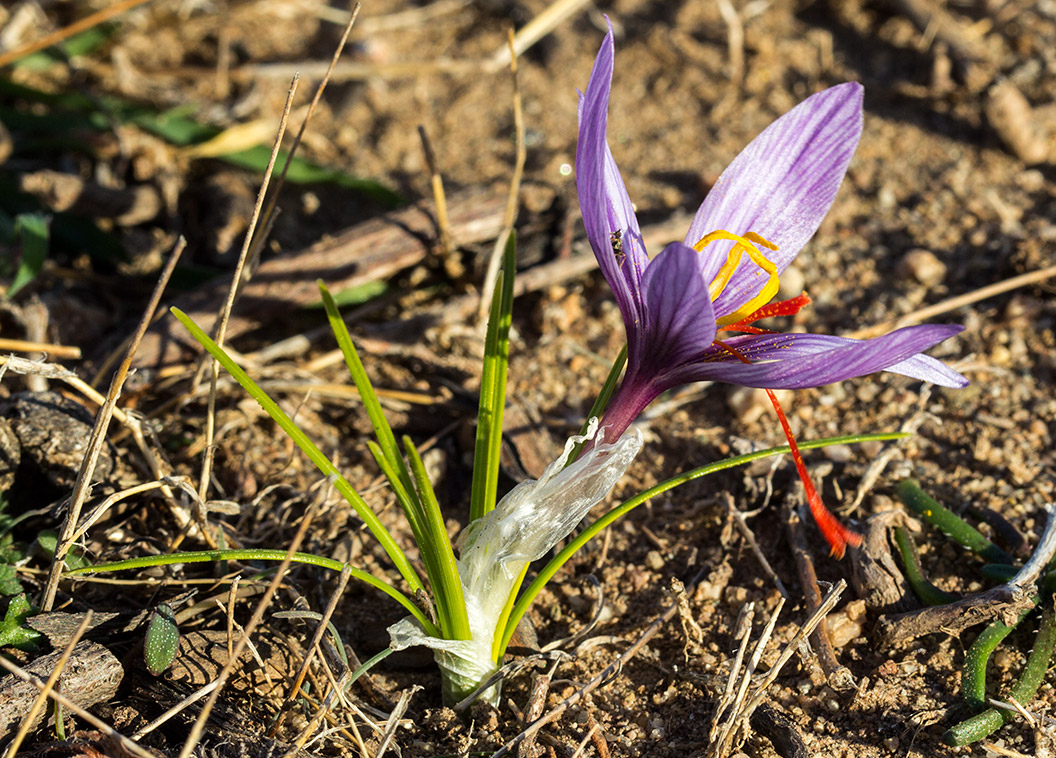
[736, 596]
[53, 433]
[1000, 356]
[838, 453]
[842, 629]
[750, 403]
[654, 560]
[886, 197]
[923, 266]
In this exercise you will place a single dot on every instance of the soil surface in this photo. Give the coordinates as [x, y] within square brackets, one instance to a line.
[952, 189]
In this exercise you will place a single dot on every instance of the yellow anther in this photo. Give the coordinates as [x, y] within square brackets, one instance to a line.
[748, 244]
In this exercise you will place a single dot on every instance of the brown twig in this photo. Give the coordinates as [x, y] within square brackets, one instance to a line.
[991, 290]
[66, 32]
[952, 617]
[55, 351]
[808, 580]
[98, 437]
[1005, 600]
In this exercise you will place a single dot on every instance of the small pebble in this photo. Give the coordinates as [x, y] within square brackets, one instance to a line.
[654, 560]
[736, 596]
[842, 629]
[923, 266]
[838, 453]
[750, 403]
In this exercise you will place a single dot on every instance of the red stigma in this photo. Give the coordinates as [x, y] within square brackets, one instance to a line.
[836, 534]
[789, 307]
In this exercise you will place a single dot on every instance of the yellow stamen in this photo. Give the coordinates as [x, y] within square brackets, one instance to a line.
[750, 244]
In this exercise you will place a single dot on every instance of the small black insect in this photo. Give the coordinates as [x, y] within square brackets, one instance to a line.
[616, 238]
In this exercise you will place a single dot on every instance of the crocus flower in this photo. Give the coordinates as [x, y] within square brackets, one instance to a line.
[763, 209]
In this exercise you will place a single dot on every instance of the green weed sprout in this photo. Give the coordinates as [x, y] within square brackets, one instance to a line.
[976, 658]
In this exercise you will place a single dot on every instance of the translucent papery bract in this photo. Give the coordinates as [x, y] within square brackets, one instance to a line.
[495, 549]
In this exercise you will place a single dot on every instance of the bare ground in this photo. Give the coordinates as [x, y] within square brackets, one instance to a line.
[946, 194]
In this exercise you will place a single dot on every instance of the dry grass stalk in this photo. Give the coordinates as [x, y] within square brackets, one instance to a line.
[604, 676]
[56, 351]
[86, 23]
[394, 719]
[452, 267]
[269, 211]
[236, 280]
[733, 712]
[181, 706]
[313, 649]
[931, 311]
[749, 536]
[541, 25]
[512, 200]
[734, 40]
[98, 438]
[54, 371]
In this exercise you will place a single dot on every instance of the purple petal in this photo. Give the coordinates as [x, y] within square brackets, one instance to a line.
[679, 321]
[797, 361]
[781, 185]
[603, 198]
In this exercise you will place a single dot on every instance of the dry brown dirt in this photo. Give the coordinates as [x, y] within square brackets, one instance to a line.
[940, 200]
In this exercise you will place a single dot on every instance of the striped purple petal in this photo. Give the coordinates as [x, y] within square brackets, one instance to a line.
[798, 361]
[679, 320]
[608, 215]
[781, 185]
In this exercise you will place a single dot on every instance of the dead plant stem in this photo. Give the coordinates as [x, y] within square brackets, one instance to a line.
[82, 486]
[236, 280]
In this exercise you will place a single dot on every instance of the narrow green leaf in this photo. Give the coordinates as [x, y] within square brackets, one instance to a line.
[354, 295]
[447, 586]
[32, 231]
[256, 554]
[493, 389]
[309, 448]
[382, 430]
[928, 593]
[952, 525]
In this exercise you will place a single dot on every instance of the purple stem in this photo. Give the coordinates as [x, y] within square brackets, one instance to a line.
[633, 395]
